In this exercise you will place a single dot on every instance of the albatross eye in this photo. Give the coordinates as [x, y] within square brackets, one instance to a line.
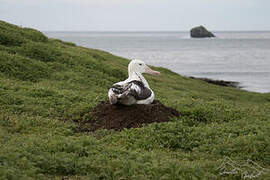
[140, 64]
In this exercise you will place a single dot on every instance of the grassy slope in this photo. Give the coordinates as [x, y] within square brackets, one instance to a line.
[47, 84]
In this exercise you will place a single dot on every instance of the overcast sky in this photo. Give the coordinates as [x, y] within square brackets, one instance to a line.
[137, 15]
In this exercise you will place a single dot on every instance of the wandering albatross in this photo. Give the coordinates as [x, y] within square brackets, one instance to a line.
[135, 89]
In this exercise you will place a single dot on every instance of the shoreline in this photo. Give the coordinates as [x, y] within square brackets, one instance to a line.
[233, 84]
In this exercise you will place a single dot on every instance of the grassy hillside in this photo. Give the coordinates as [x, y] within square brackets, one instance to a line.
[47, 85]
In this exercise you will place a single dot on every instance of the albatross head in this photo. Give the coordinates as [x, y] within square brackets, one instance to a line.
[138, 66]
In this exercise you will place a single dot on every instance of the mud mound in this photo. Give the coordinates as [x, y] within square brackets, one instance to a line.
[107, 116]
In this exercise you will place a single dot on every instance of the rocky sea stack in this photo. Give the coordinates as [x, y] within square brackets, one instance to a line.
[200, 32]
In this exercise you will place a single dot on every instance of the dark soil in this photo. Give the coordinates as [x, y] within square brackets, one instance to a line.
[118, 117]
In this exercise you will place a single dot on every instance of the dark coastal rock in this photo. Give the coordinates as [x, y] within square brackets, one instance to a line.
[220, 82]
[200, 32]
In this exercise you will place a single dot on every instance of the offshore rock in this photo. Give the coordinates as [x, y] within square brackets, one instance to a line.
[200, 32]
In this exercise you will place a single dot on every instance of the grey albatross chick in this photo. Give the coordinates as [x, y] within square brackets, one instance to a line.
[135, 89]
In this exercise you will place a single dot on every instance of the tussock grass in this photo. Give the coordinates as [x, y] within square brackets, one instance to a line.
[47, 85]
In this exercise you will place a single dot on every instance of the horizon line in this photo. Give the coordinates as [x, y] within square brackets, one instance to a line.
[150, 30]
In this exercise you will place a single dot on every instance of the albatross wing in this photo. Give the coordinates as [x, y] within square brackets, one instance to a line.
[129, 93]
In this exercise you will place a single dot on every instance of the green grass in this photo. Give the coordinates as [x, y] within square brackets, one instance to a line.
[46, 85]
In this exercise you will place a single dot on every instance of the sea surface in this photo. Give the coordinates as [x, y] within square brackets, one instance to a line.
[233, 56]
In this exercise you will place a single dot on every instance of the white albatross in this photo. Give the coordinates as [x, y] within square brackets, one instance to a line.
[135, 89]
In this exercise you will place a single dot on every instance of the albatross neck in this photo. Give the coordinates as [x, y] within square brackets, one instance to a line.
[139, 77]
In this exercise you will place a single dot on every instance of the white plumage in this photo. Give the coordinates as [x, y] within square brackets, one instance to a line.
[135, 89]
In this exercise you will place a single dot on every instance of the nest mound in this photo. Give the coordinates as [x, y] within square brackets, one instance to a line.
[118, 117]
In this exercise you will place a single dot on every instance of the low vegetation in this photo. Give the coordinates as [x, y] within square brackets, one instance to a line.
[47, 85]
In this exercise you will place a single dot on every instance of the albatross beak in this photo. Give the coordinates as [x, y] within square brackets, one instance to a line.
[150, 71]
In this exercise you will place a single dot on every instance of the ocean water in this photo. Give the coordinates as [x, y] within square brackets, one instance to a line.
[234, 56]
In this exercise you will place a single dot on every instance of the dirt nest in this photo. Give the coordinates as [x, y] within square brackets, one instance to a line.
[118, 117]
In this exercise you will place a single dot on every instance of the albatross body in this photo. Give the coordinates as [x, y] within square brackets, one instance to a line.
[135, 89]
